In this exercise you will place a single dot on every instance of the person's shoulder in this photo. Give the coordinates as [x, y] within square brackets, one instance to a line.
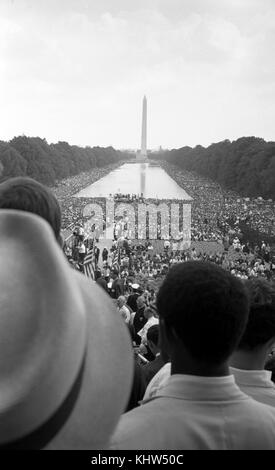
[150, 369]
[134, 428]
[265, 396]
[262, 413]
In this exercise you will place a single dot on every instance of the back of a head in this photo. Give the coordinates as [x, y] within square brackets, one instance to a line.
[28, 195]
[97, 275]
[206, 307]
[122, 300]
[260, 327]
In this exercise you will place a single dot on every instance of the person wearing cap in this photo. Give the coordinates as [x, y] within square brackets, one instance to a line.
[203, 312]
[64, 380]
[257, 343]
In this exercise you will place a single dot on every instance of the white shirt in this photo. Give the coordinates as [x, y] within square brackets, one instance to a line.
[256, 383]
[81, 248]
[143, 332]
[125, 313]
[198, 413]
[159, 380]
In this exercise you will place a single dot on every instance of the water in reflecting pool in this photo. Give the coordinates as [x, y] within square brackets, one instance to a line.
[136, 178]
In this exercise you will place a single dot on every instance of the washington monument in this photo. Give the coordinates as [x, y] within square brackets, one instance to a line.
[143, 151]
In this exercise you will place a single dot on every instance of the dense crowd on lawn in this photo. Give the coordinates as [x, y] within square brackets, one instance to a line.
[215, 210]
[66, 189]
[141, 263]
[120, 197]
[217, 218]
[217, 215]
[197, 373]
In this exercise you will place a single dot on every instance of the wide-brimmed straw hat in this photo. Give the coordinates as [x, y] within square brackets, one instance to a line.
[65, 354]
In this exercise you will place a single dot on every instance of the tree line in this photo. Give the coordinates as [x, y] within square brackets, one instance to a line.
[47, 163]
[246, 165]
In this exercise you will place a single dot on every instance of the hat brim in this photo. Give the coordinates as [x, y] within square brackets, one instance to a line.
[53, 318]
[108, 363]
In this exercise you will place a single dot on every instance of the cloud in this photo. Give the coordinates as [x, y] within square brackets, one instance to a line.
[77, 70]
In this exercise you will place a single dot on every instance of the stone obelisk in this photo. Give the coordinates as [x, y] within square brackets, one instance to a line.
[142, 155]
[144, 129]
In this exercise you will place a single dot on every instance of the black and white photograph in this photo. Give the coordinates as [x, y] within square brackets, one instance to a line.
[137, 228]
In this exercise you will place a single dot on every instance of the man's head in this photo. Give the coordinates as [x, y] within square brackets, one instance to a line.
[260, 328]
[121, 301]
[148, 312]
[203, 309]
[115, 274]
[140, 301]
[28, 195]
[97, 274]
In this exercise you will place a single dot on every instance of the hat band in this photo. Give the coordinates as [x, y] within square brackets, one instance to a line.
[39, 438]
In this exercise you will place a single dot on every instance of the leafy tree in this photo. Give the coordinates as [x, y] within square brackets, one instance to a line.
[12, 163]
[246, 165]
[34, 157]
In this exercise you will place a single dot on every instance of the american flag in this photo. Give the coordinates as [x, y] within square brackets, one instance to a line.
[89, 264]
[116, 260]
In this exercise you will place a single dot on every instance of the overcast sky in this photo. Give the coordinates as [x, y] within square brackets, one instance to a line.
[77, 70]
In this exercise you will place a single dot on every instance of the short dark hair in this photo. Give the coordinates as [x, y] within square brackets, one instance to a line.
[153, 334]
[207, 308]
[260, 327]
[97, 274]
[28, 195]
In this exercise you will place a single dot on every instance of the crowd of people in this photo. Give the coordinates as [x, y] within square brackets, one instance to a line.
[217, 216]
[65, 190]
[119, 197]
[142, 262]
[214, 207]
[185, 363]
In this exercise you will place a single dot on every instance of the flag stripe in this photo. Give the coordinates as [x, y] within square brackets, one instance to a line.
[116, 260]
[89, 264]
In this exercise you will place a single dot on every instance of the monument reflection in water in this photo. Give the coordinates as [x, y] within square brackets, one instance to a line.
[136, 178]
